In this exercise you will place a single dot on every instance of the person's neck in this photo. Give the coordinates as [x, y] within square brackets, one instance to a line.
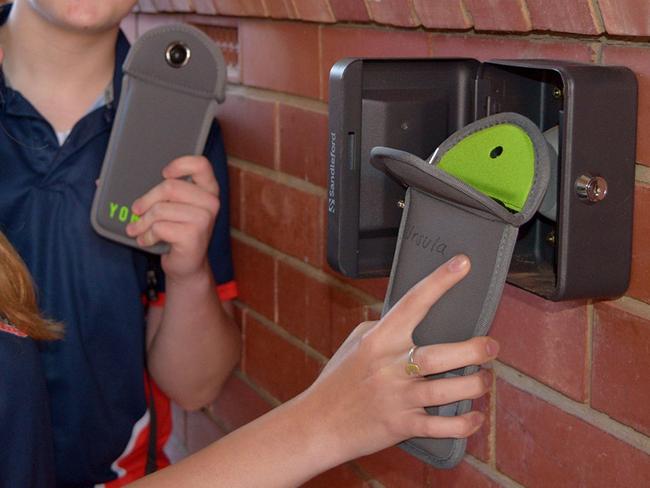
[61, 72]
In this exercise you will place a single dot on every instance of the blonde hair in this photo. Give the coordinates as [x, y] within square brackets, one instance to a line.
[18, 299]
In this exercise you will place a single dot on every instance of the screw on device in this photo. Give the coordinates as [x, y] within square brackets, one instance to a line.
[591, 188]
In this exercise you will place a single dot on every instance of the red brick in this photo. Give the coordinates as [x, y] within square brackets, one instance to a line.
[255, 274]
[639, 282]
[499, 15]
[638, 60]
[164, 5]
[540, 445]
[546, 340]
[315, 312]
[253, 8]
[620, 381]
[314, 10]
[238, 315]
[304, 307]
[281, 368]
[393, 12]
[563, 16]
[204, 7]
[224, 32]
[283, 217]
[234, 177]
[281, 9]
[248, 129]
[229, 24]
[373, 286]
[478, 445]
[394, 467]
[182, 5]
[462, 476]
[201, 431]
[350, 10]
[303, 144]
[325, 217]
[346, 312]
[150, 21]
[238, 404]
[281, 56]
[340, 477]
[373, 314]
[483, 48]
[443, 14]
[342, 42]
[147, 6]
[626, 17]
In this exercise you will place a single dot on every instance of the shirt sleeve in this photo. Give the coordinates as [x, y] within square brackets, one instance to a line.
[219, 250]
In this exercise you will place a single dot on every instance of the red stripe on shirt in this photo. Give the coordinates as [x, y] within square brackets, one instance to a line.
[225, 292]
[10, 329]
[133, 462]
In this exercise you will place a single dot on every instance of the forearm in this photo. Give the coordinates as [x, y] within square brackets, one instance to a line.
[363, 401]
[195, 345]
[283, 448]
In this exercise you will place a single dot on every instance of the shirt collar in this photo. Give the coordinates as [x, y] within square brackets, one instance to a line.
[4, 12]
[4, 92]
[122, 47]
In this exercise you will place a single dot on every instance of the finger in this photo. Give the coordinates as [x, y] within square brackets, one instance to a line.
[448, 390]
[171, 212]
[439, 358]
[409, 311]
[174, 190]
[456, 427]
[169, 232]
[198, 168]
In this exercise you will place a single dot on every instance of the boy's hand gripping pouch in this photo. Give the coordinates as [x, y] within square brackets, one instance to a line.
[470, 197]
[174, 76]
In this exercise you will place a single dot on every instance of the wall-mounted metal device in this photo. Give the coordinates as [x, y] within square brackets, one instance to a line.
[579, 243]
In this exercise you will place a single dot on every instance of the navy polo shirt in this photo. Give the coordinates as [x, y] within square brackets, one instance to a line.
[95, 374]
[26, 451]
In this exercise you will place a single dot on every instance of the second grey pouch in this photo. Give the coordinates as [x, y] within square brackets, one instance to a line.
[174, 76]
[443, 217]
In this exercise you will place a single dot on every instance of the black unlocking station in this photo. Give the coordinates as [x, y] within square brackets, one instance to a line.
[578, 245]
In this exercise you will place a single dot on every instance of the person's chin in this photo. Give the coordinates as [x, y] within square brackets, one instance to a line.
[87, 24]
[85, 16]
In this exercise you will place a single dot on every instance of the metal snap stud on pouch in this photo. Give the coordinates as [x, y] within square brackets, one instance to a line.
[177, 54]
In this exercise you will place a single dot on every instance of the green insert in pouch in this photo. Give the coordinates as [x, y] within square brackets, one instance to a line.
[174, 76]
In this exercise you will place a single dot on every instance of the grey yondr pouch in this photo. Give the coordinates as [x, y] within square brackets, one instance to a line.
[174, 76]
[470, 197]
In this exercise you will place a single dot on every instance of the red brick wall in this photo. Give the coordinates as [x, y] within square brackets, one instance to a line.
[570, 403]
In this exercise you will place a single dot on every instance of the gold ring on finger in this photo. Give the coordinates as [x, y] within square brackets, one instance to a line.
[412, 368]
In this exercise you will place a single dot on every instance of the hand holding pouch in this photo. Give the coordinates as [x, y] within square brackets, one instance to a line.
[503, 157]
[174, 76]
